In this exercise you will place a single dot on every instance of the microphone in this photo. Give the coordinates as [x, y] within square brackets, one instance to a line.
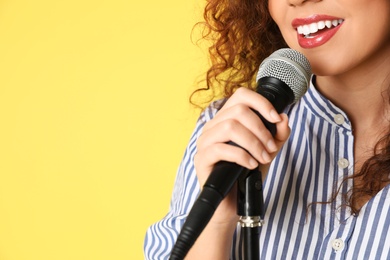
[283, 79]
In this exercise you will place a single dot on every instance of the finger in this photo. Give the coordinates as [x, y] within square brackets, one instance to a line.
[248, 118]
[206, 159]
[232, 130]
[283, 130]
[256, 102]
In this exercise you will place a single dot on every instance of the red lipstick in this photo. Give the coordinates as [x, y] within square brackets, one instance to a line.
[322, 33]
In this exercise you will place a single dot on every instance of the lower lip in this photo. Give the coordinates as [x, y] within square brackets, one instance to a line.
[318, 39]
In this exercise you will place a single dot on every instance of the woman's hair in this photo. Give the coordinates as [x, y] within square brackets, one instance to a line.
[374, 173]
[242, 34]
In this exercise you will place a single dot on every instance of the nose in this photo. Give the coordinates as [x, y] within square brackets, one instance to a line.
[300, 2]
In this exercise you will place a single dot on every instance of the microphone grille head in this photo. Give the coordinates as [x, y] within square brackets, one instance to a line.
[289, 66]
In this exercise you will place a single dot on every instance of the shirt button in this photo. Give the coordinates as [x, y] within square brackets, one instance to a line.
[337, 244]
[343, 163]
[339, 119]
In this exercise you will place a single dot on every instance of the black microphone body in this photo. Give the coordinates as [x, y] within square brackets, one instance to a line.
[225, 174]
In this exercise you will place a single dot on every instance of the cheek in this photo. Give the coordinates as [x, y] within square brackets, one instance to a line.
[278, 12]
[273, 6]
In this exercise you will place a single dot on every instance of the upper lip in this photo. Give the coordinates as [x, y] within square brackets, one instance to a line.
[313, 19]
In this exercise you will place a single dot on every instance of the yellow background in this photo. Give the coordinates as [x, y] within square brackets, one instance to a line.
[94, 119]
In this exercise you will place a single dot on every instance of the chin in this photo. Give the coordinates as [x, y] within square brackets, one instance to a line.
[324, 65]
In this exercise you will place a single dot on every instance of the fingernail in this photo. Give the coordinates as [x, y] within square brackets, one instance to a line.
[275, 116]
[272, 146]
[253, 163]
[266, 156]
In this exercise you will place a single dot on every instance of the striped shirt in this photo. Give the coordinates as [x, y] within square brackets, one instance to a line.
[310, 167]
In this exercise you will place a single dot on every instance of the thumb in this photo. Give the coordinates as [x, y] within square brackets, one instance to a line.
[282, 131]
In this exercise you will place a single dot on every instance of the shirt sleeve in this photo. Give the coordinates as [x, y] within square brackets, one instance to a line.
[161, 236]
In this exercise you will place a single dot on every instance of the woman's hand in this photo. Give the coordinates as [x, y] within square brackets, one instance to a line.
[237, 122]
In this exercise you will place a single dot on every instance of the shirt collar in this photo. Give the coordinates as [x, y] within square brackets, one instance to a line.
[322, 107]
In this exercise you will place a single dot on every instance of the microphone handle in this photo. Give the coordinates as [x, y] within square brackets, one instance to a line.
[205, 205]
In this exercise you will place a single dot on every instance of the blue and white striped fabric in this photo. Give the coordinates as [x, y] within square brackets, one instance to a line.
[308, 169]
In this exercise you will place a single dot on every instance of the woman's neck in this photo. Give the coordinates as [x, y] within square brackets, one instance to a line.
[362, 93]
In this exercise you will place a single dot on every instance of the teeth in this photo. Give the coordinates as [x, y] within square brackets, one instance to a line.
[321, 25]
[306, 30]
[313, 28]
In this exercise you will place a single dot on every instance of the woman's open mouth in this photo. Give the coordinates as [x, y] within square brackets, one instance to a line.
[312, 29]
[316, 30]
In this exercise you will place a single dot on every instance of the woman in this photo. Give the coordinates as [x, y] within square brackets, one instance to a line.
[326, 190]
